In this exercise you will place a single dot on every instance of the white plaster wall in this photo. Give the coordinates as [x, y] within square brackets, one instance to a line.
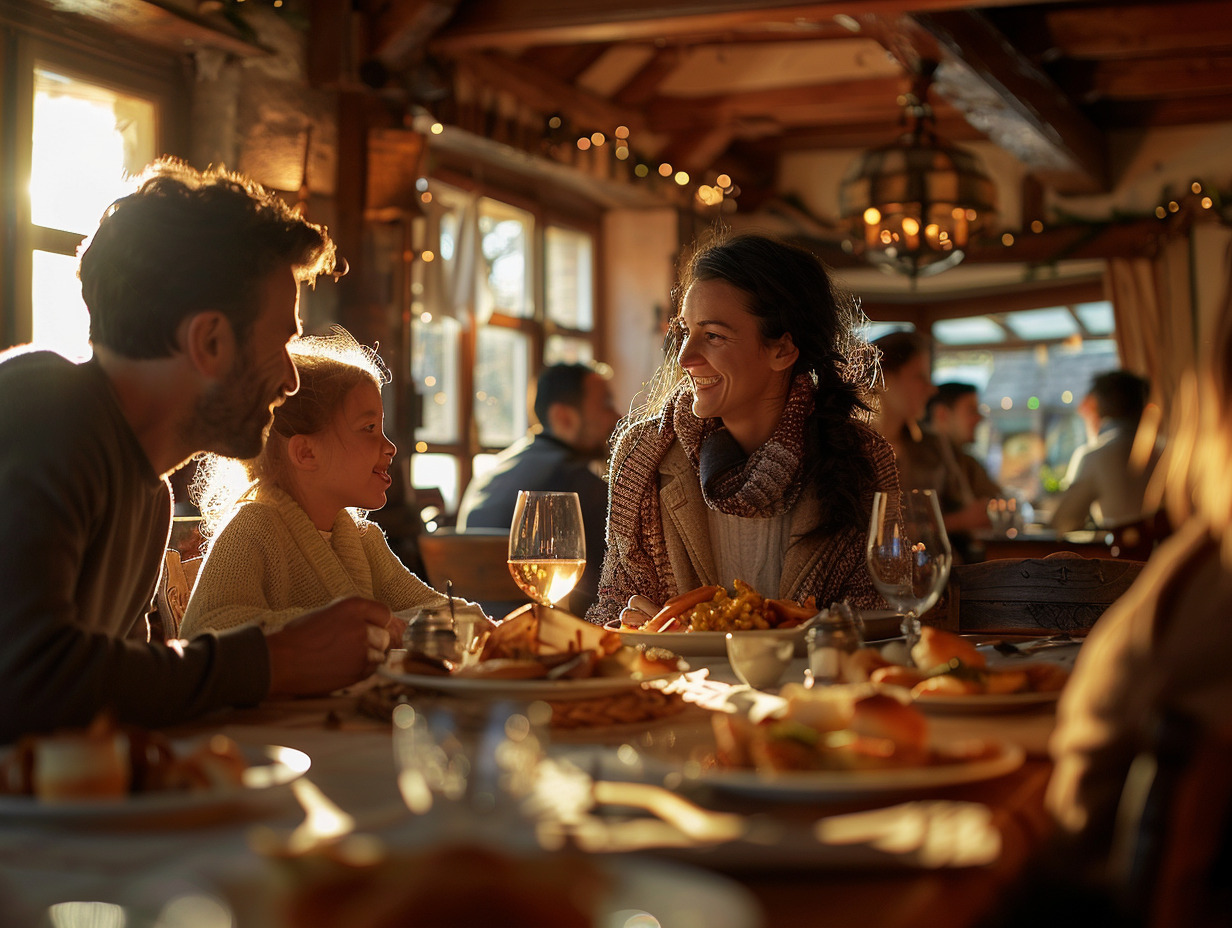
[1147, 167]
[641, 250]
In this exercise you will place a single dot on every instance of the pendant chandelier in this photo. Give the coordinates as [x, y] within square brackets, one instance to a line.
[916, 202]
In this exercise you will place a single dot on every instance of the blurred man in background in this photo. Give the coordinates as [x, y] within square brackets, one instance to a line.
[566, 452]
[1103, 487]
[954, 414]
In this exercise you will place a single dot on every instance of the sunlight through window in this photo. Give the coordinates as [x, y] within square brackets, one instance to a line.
[87, 143]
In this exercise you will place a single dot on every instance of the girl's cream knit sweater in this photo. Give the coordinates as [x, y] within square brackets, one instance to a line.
[270, 565]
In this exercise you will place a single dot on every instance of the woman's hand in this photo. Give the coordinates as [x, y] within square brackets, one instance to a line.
[641, 609]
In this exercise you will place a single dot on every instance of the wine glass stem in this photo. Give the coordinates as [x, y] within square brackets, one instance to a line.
[911, 628]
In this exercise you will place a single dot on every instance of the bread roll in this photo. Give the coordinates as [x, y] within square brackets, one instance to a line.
[858, 667]
[882, 716]
[824, 708]
[937, 647]
[655, 661]
[81, 765]
[946, 684]
[896, 675]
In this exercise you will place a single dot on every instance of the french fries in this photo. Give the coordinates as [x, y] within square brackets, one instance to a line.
[714, 609]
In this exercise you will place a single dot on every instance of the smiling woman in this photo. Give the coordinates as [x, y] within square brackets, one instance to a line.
[752, 457]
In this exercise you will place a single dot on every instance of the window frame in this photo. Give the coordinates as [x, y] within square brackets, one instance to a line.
[89, 58]
[536, 327]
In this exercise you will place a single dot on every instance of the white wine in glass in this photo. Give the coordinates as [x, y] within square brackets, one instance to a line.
[909, 554]
[547, 546]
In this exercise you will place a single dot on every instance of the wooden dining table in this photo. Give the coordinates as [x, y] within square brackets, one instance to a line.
[140, 865]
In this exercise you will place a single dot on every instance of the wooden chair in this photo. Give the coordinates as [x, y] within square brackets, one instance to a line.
[1171, 857]
[1060, 593]
[477, 563]
[178, 578]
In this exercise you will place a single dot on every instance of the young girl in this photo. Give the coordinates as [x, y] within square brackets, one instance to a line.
[285, 531]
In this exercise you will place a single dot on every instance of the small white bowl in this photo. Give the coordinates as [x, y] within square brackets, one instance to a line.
[759, 658]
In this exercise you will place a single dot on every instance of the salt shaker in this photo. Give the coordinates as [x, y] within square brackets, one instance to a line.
[431, 632]
[833, 638]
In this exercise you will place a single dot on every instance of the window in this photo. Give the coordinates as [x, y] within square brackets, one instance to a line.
[500, 288]
[86, 142]
[1032, 368]
[85, 121]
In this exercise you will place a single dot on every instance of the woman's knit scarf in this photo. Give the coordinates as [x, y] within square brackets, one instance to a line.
[763, 484]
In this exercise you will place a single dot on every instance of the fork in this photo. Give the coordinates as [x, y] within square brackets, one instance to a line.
[1056, 641]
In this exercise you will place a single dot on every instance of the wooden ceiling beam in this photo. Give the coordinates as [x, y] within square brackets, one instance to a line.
[1143, 114]
[1126, 31]
[1077, 242]
[840, 101]
[697, 151]
[157, 24]
[519, 23]
[564, 62]
[545, 93]
[1153, 78]
[401, 30]
[950, 125]
[1016, 104]
[642, 87]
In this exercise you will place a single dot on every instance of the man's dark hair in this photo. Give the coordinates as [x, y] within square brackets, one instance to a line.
[1120, 394]
[560, 383]
[948, 394]
[186, 242]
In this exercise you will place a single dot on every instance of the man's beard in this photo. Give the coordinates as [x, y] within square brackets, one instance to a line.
[233, 418]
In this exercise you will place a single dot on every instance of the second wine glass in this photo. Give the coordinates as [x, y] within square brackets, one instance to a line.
[909, 555]
[547, 545]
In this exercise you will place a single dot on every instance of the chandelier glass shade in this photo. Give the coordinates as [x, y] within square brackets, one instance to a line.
[916, 202]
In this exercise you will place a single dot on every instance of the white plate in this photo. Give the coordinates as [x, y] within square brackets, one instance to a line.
[271, 767]
[523, 689]
[985, 702]
[702, 644]
[824, 785]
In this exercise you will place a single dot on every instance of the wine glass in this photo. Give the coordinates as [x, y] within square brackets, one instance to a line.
[909, 554]
[547, 548]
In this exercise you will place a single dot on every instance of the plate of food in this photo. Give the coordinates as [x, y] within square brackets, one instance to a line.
[955, 763]
[841, 742]
[950, 673]
[538, 652]
[696, 623]
[110, 772]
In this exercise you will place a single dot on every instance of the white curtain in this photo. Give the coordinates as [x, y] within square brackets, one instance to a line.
[449, 286]
[1167, 306]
